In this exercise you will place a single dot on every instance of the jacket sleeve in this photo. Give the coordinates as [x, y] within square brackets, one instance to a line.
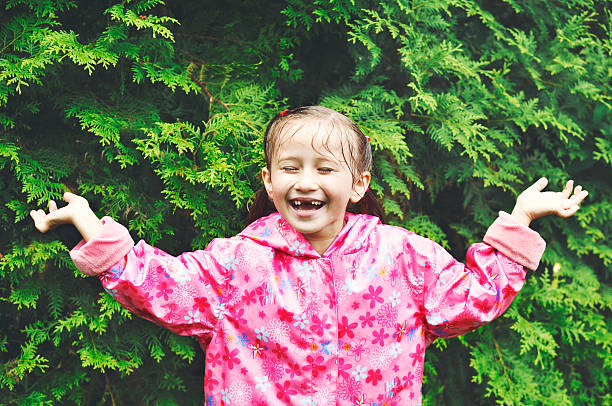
[184, 294]
[458, 298]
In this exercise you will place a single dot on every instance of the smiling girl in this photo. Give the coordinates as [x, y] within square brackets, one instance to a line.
[313, 304]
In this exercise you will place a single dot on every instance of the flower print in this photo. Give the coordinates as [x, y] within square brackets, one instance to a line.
[230, 264]
[231, 357]
[300, 320]
[280, 351]
[240, 393]
[262, 334]
[314, 365]
[201, 304]
[117, 271]
[349, 389]
[417, 356]
[360, 401]
[213, 358]
[273, 369]
[249, 297]
[318, 325]
[345, 328]
[408, 379]
[220, 311]
[210, 401]
[286, 283]
[297, 248]
[395, 298]
[343, 369]
[299, 288]
[359, 373]
[284, 391]
[349, 285]
[324, 346]
[164, 290]
[381, 358]
[355, 305]
[265, 233]
[411, 334]
[210, 383]
[330, 300]
[367, 319]
[304, 270]
[279, 331]
[225, 395]
[256, 349]
[372, 273]
[373, 295]
[374, 376]
[387, 315]
[390, 386]
[243, 339]
[237, 315]
[192, 317]
[262, 383]
[308, 401]
[379, 336]
[285, 315]
[293, 368]
[395, 350]
[400, 331]
[394, 275]
[359, 348]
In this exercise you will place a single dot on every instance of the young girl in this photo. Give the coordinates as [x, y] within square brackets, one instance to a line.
[314, 305]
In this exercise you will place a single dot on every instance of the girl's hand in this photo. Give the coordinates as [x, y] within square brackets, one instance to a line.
[45, 222]
[77, 212]
[534, 203]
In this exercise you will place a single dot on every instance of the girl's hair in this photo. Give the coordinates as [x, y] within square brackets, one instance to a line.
[356, 152]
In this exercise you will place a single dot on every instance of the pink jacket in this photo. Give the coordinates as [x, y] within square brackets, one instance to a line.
[284, 325]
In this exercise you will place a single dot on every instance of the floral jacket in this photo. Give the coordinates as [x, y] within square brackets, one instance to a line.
[284, 325]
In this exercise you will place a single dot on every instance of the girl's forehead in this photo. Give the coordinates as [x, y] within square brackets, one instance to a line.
[324, 138]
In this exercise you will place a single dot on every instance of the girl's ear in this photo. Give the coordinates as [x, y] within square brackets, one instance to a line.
[267, 180]
[361, 186]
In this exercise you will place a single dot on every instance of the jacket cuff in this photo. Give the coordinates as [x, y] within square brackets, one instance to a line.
[97, 255]
[516, 241]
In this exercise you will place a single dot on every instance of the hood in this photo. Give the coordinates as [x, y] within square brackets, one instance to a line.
[275, 232]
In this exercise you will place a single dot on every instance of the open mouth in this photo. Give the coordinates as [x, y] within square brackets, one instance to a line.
[306, 204]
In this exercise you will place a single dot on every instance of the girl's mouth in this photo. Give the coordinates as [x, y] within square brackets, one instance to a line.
[306, 205]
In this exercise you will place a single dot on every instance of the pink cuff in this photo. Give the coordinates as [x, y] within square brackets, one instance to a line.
[516, 241]
[97, 255]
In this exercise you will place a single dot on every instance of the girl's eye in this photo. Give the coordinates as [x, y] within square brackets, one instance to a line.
[289, 169]
[326, 170]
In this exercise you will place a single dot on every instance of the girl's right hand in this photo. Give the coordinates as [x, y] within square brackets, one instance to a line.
[77, 207]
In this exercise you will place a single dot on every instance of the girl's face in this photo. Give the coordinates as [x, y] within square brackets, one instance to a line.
[310, 183]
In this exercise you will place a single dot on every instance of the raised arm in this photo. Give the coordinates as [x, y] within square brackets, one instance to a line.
[459, 298]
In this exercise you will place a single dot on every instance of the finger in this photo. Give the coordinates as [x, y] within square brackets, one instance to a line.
[68, 196]
[567, 192]
[578, 189]
[52, 205]
[569, 211]
[540, 184]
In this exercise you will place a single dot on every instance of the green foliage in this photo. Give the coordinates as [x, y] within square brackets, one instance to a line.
[155, 112]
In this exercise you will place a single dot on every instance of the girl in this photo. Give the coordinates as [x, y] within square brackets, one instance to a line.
[314, 305]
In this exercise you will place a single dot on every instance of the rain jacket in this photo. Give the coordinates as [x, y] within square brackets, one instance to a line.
[284, 325]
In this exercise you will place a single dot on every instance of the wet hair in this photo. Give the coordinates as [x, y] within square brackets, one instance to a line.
[356, 152]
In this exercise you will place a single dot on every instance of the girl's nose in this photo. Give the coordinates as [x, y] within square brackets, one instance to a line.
[306, 181]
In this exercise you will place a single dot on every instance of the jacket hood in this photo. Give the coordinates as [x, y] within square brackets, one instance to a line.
[275, 232]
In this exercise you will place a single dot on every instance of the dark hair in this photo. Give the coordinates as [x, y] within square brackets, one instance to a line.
[358, 158]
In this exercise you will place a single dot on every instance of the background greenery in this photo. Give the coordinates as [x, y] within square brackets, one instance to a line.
[155, 112]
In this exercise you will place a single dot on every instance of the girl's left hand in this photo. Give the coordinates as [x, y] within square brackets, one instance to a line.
[534, 203]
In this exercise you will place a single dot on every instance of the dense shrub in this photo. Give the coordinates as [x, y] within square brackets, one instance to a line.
[154, 112]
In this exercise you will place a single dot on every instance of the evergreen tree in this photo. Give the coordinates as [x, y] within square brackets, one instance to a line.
[155, 113]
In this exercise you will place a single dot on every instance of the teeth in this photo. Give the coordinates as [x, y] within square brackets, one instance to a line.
[298, 203]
